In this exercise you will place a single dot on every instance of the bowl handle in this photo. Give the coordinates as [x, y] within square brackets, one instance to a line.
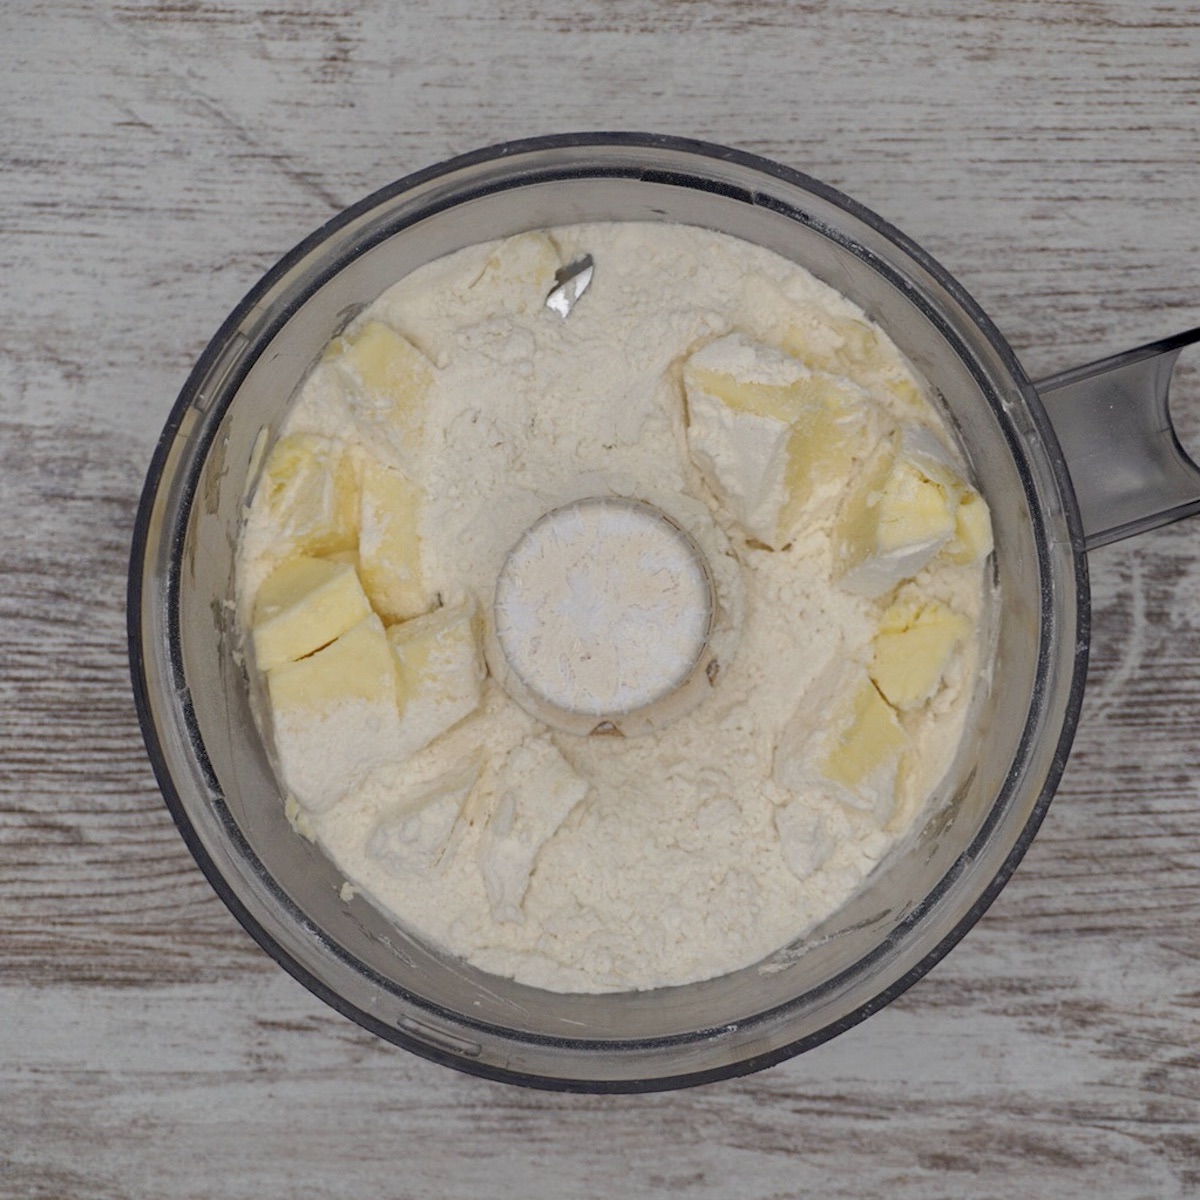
[1114, 426]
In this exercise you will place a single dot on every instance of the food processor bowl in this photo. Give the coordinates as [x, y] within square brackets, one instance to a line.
[193, 694]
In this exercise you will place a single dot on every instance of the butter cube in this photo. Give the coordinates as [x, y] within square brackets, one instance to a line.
[844, 345]
[390, 380]
[356, 665]
[868, 740]
[769, 435]
[536, 792]
[384, 364]
[912, 649]
[389, 547]
[972, 540]
[310, 492]
[900, 512]
[303, 605]
[520, 272]
[414, 833]
[843, 744]
[334, 716]
[827, 343]
[805, 840]
[439, 674]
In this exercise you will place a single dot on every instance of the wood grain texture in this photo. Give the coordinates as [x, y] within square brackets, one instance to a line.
[155, 159]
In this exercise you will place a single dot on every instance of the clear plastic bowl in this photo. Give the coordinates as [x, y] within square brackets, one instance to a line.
[193, 697]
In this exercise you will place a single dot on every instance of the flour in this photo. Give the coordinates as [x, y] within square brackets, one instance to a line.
[593, 863]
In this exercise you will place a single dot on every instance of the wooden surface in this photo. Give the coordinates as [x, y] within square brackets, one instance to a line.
[155, 158]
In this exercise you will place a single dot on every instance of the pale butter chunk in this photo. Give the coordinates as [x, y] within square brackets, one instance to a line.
[866, 742]
[389, 547]
[439, 673]
[519, 273]
[309, 490]
[389, 380]
[972, 540]
[334, 715]
[414, 833]
[769, 435]
[303, 605]
[831, 343]
[908, 503]
[845, 734]
[847, 346]
[912, 649]
[805, 840]
[536, 791]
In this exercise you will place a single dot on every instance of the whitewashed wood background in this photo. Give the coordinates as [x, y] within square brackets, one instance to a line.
[155, 158]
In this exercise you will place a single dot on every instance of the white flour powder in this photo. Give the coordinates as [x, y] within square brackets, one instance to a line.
[600, 863]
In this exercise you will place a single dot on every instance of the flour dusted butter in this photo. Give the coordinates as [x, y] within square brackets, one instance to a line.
[770, 435]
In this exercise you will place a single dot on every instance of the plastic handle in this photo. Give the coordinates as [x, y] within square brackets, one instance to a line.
[1114, 426]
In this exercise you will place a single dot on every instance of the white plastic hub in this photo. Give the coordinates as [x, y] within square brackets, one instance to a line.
[603, 608]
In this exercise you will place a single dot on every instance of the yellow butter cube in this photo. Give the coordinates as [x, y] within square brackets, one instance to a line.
[899, 513]
[309, 489]
[440, 672]
[358, 665]
[868, 740]
[389, 549]
[384, 363]
[913, 508]
[913, 647]
[972, 540]
[844, 345]
[390, 380]
[826, 343]
[520, 272]
[768, 434]
[303, 605]
[834, 428]
[333, 715]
